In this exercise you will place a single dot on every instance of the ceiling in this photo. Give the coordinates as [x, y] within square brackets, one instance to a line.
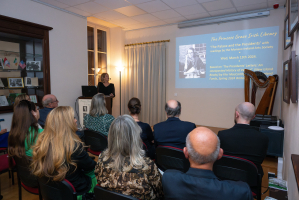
[137, 14]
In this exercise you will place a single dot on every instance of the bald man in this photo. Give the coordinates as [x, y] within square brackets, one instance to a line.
[243, 140]
[173, 131]
[49, 102]
[199, 182]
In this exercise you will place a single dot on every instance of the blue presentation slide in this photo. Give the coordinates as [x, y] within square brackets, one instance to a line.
[218, 60]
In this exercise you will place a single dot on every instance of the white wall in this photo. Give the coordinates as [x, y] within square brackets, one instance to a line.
[210, 107]
[116, 60]
[68, 47]
[290, 116]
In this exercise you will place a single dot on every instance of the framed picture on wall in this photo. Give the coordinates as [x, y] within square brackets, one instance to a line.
[293, 78]
[286, 82]
[288, 41]
[293, 16]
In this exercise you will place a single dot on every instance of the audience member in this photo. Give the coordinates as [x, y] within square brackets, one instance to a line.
[98, 119]
[24, 129]
[123, 168]
[199, 182]
[59, 154]
[173, 131]
[147, 136]
[20, 98]
[4, 138]
[49, 102]
[243, 140]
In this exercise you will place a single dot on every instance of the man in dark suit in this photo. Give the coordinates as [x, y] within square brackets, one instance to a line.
[173, 131]
[49, 102]
[199, 182]
[243, 140]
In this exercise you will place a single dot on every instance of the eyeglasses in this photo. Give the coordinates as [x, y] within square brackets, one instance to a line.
[55, 101]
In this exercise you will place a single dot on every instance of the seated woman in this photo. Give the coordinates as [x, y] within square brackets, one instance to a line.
[59, 154]
[24, 129]
[20, 98]
[98, 119]
[123, 168]
[147, 136]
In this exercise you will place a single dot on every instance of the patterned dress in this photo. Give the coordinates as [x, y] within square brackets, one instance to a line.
[144, 183]
[99, 123]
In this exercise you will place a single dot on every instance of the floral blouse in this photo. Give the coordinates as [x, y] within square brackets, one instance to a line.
[144, 183]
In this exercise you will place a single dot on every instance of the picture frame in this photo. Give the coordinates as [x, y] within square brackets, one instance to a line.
[288, 41]
[28, 81]
[15, 82]
[33, 98]
[33, 66]
[292, 16]
[293, 78]
[286, 82]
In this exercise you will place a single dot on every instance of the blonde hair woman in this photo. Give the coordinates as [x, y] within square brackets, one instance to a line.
[123, 168]
[105, 87]
[98, 119]
[58, 153]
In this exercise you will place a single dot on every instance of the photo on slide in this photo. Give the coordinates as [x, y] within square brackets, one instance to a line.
[192, 61]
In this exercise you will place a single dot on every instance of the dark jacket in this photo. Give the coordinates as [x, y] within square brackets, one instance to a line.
[147, 138]
[43, 113]
[76, 176]
[202, 184]
[244, 141]
[172, 132]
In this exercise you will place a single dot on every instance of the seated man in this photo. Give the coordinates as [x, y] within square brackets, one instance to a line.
[173, 131]
[243, 140]
[49, 102]
[199, 182]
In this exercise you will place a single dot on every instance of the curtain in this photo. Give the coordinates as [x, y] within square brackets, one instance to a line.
[144, 77]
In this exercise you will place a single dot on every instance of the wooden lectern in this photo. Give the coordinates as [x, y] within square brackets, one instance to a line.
[109, 104]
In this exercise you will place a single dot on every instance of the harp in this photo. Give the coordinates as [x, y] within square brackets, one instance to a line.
[265, 106]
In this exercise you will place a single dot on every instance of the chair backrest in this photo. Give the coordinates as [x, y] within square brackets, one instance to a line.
[103, 194]
[24, 172]
[237, 169]
[56, 190]
[96, 140]
[168, 157]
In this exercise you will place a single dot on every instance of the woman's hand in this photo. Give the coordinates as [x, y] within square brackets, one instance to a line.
[111, 95]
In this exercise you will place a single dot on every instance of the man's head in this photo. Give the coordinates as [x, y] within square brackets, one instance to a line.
[50, 101]
[202, 148]
[244, 113]
[173, 108]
